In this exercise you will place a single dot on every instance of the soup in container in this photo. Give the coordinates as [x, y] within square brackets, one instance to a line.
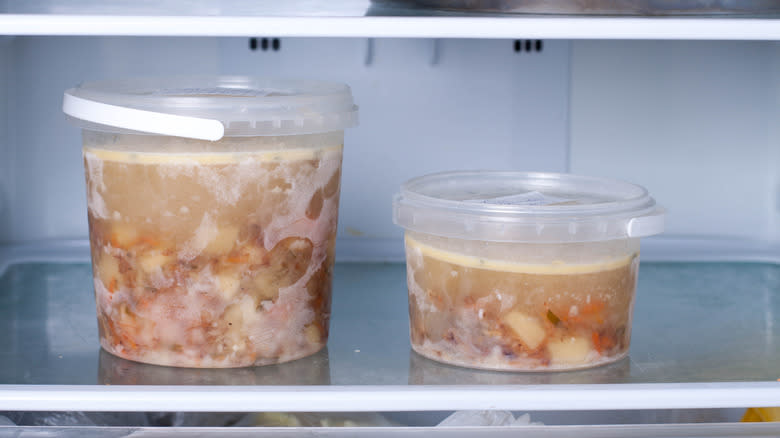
[212, 206]
[523, 271]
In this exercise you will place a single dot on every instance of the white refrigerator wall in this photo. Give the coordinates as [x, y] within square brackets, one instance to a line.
[695, 122]
[774, 141]
[6, 148]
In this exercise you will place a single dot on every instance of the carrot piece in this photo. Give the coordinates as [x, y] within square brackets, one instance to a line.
[151, 241]
[126, 339]
[112, 285]
[602, 342]
[143, 302]
[117, 243]
[241, 258]
[593, 307]
[111, 327]
[607, 342]
[596, 341]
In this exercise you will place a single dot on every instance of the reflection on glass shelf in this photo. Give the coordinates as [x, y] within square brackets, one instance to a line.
[424, 371]
[312, 370]
[707, 322]
[47, 324]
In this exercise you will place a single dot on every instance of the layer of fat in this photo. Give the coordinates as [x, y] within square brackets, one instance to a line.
[553, 268]
[227, 157]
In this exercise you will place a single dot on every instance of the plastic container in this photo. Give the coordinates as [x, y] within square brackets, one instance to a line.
[523, 271]
[212, 206]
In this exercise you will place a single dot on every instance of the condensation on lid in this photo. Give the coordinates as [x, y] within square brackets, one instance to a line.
[526, 207]
[210, 107]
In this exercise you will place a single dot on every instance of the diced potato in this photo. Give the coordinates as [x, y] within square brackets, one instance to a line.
[223, 241]
[289, 260]
[569, 350]
[233, 316]
[287, 263]
[126, 316]
[255, 255]
[265, 286]
[152, 261]
[527, 328]
[299, 245]
[313, 333]
[228, 284]
[248, 309]
[107, 268]
[236, 315]
[123, 235]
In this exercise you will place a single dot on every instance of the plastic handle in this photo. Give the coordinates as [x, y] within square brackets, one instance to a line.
[142, 121]
[647, 225]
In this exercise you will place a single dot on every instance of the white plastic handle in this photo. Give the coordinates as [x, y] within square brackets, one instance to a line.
[648, 225]
[141, 120]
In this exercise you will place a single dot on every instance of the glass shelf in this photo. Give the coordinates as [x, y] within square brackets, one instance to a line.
[704, 336]
[354, 18]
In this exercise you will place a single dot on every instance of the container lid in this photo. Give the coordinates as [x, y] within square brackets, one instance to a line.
[526, 207]
[209, 108]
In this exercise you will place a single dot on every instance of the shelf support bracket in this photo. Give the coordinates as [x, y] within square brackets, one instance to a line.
[369, 58]
[436, 51]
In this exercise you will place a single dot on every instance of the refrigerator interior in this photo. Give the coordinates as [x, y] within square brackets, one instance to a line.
[695, 122]
[689, 120]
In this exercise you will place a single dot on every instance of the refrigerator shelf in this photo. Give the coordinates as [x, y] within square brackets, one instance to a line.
[357, 18]
[704, 337]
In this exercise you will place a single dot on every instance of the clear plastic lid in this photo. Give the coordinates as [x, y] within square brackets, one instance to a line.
[209, 108]
[526, 207]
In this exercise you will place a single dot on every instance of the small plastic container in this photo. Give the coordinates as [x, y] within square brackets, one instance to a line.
[212, 205]
[523, 271]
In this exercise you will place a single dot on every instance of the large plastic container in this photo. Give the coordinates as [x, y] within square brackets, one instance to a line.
[523, 271]
[212, 206]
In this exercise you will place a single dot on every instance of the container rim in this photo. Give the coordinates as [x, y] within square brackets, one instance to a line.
[639, 201]
[591, 208]
[194, 106]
